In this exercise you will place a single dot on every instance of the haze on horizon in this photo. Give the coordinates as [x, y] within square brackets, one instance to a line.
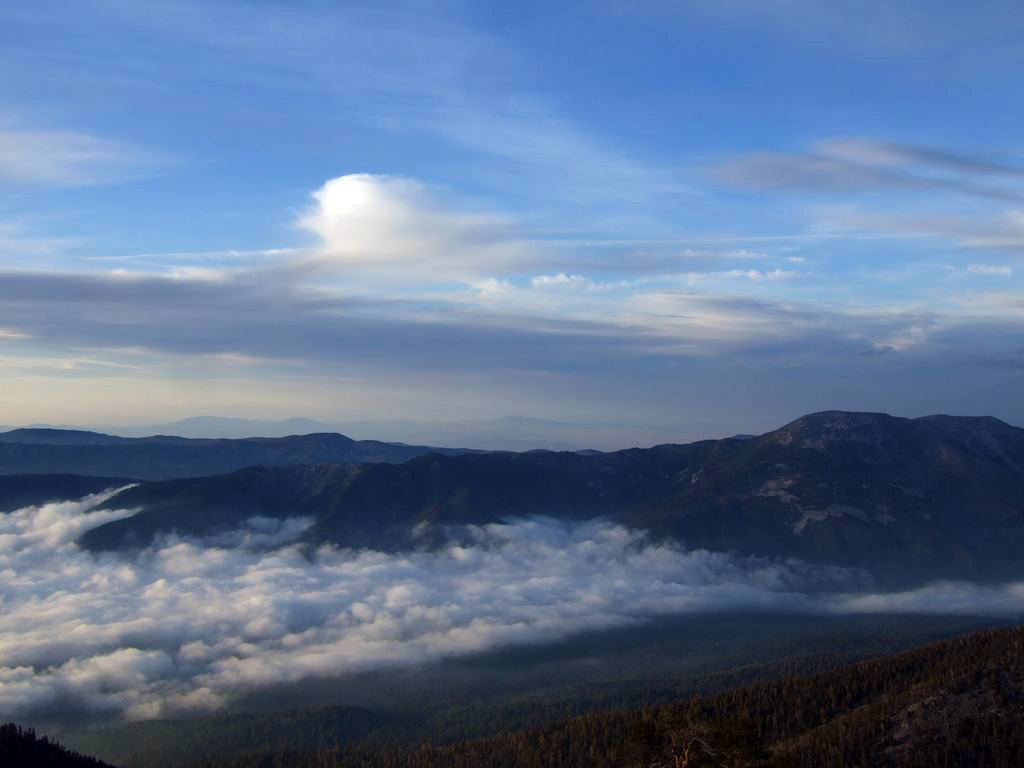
[709, 216]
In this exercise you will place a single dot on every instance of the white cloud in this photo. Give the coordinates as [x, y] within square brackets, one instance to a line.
[947, 597]
[400, 228]
[493, 288]
[187, 625]
[758, 275]
[988, 269]
[741, 254]
[561, 280]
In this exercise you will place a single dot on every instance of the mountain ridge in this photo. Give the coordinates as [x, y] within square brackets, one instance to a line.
[937, 496]
[160, 457]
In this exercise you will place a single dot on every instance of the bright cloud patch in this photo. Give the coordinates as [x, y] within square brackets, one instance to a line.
[186, 625]
[398, 226]
[988, 269]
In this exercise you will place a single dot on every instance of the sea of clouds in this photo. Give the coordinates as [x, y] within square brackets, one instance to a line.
[186, 626]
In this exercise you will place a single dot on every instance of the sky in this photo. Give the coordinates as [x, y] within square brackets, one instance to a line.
[706, 217]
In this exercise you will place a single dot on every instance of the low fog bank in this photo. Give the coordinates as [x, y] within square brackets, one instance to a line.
[185, 626]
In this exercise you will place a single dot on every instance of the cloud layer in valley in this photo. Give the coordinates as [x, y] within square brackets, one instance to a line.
[186, 626]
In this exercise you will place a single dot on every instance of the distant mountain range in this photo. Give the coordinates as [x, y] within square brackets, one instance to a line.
[935, 496]
[509, 433]
[211, 427]
[226, 427]
[519, 433]
[161, 457]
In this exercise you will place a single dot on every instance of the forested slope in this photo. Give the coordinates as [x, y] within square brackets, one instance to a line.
[955, 703]
[907, 499]
[21, 748]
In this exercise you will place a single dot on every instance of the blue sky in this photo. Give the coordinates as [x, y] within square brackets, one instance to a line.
[708, 217]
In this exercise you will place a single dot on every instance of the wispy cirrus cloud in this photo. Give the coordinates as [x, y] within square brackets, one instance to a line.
[68, 158]
[895, 154]
[856, 165]
[1001, 230]
[412, 76]
[394, 259]
[19, 241]
[402, 283]
[989, 269]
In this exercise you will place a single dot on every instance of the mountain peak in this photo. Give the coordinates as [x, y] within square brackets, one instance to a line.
[816, 429]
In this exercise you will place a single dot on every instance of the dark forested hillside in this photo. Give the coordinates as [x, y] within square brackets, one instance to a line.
[943, 495]
[18, 491]
[21, 748]
[511, 689]
[939, 496]
[380, 504]
[957, 703]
